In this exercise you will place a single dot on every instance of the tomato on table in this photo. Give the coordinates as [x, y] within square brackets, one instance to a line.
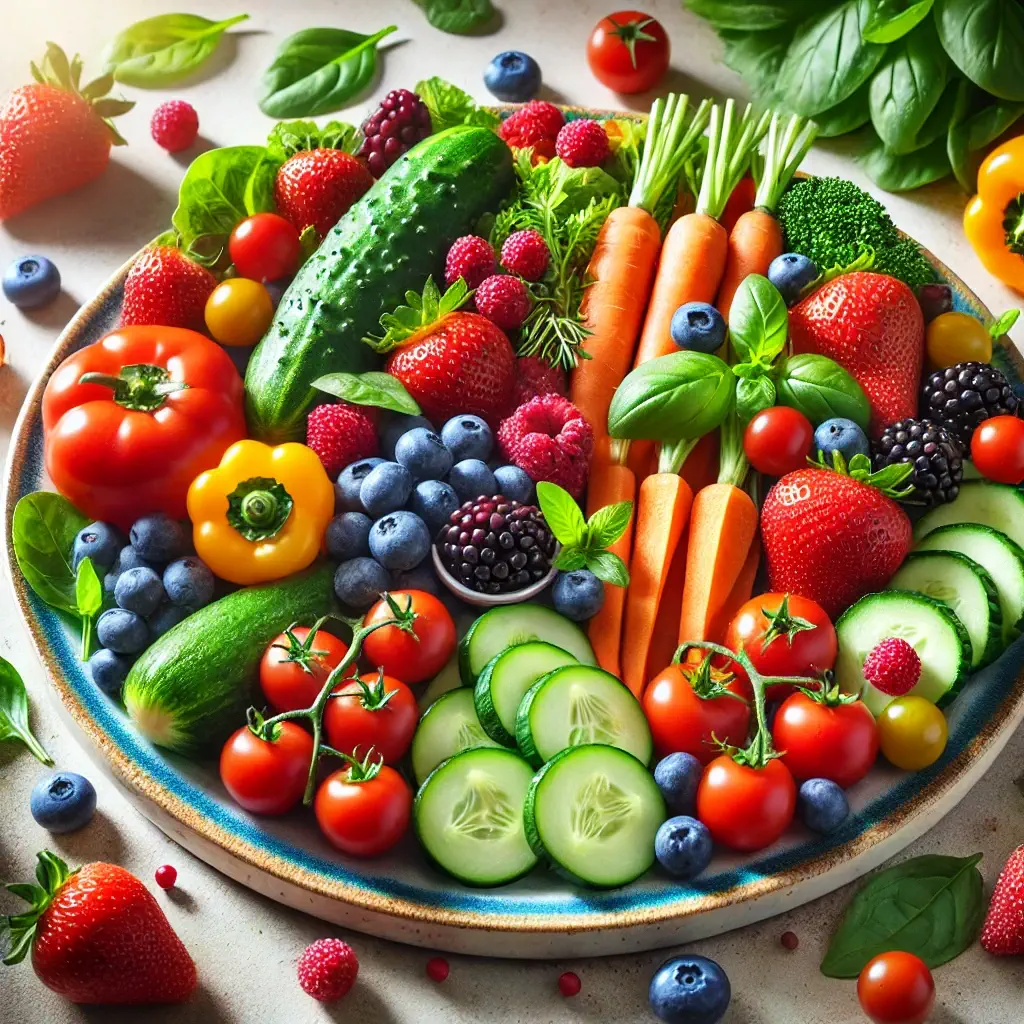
[997, 449]
[238, 312]
[778, 440]
[265, 247]
[267, 776]
[912, 732]
[375, 711]
[896, 988]
[295, 666]
[413, 659]
[628, 51]
[746, 808]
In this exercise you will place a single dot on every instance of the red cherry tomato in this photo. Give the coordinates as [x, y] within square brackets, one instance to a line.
[263, 776]
[378, 712]
[294, 668]
[363, 818]
[997, 449]
[896, 988]
[778, 440]
[746, 808]
[822, 742]
[683, 720]
[628, 51]
[413, 659]
[265, 247]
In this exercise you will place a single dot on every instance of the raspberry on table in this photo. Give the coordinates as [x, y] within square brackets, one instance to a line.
[340, 434]
[504, 300]
[583, 143]
[174, 125]
[470, 257]
[327, 969]
[893, 667]
[526, 253]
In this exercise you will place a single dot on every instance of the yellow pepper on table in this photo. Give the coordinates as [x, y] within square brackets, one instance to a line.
[994, 218]
[261, 514]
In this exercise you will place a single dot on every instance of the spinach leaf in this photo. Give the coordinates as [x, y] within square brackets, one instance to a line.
[757, 56]
[847, 116]
[371, 388]
[828, 59]
[754, 15]
[893, 19]
[457, 16]
[931, 906]
[318, 70]
[43, 530]
[821, 389]
[159, 51]
[14, 712]
[758, 322]
[752, 395]
[897, 172]
[89, 600]
[985, 39]
[977, 121]
[937, 124]
[449, 105]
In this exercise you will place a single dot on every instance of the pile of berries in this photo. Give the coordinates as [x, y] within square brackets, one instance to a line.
[393, 128]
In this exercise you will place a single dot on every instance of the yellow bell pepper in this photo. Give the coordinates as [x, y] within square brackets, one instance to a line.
[261, 514]
[994, 218]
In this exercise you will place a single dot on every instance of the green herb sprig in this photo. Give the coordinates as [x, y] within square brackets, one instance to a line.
[14, 723]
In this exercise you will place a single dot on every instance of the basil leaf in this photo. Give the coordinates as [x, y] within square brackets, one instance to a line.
[43, 531]
[89, 597]
[931, 906]
[985, 40]
[562, 513]
[753, 15]
[449, 105]
[752, 395]
[758, 321]
[608, 568]
[318, 70]
[893, 19]
[608, 524]
[372, 388]
[847, 116]
[457, 16]
[14, 711]
[978, 120]
[569, 559]
[162, 50]
[822, 389]
[896, 172]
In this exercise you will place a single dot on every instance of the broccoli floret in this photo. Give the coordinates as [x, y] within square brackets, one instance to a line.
[833, 221]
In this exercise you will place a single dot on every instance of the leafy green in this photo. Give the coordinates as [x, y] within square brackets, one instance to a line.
[893, 19]
[14, 722]
[977, 121]
[896, 172]
[449, 105]
[43, 532]
[290, 137]
[753, 394]
[821, 389]
[162, 50]
[758, 322]
[931, 906]
[371, 388]
[985, 39]
[457, 16]
[754, 15]
[89, 600]
[317, 70]
[847, 116]
[757, 56]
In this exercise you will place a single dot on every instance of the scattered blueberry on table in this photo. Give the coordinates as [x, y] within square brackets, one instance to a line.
[690, 990]
[513, 76]
[31, 282]
[63, 802]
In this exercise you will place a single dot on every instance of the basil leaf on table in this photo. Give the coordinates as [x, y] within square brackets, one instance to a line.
[318, 70]
[43, 531]
[753, 394]
[14, 712]
[753, 15]
[822, 389]
[89, 600]
[159, 51]
[457, 17]
[893, 19]
[371, 388]
[985, 40]
[758, 321]
[931, 906]
[901, 172]
[978, 120]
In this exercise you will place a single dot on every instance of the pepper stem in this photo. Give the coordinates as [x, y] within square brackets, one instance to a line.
[1013, 224]
[141, 387]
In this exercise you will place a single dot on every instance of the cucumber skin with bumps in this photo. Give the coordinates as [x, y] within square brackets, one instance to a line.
[203, 671]
[390, 241]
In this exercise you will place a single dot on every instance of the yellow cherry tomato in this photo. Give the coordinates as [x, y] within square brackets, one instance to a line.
[954, 337]
[239, 311]
[912, 733]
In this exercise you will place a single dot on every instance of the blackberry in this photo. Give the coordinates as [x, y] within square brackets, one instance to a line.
[935, 454]
[395, 126]
[962, 397]
[495, 546]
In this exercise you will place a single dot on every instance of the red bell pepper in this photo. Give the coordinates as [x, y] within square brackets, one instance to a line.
[131, 421]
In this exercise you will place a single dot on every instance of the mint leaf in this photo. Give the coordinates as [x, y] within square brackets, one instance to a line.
[562, 513]
[608, 524]
[569, 559]
[448, 104]
[373, 388]
[608, 567]
[1003, 324]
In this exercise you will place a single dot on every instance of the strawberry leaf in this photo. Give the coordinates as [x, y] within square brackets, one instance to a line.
[886, 480]
[419, 313]
[290, 137]
[51, 873]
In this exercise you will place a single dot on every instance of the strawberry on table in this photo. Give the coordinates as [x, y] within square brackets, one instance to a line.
[1003, 931]
[167, 289]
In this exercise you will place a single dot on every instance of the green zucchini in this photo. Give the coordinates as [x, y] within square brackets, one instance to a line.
[190, 690]
[388, 243]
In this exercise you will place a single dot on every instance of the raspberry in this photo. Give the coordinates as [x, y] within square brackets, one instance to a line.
[549, 439]
[550, 117]
[535, 377]
[893, 667]
[327, 969]
[583, 143]
[401, 120]
[504, 300]
[536, 124]
[340, 434]
[175, 125]
[470, 257]
[525, 253]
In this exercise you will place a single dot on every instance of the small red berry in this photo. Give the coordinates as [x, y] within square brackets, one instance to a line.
[438, 969]
[893, 667]
[174, 125]
[504, 300]
[166, 876]
[340, 434]
[569, 984]
[327, 969]
[583, 143]
[470, 257]
[1003, 933]
[525, 253]
[547, 115]
[789, 941]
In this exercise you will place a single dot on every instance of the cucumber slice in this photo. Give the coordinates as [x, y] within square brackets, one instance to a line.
[593, 812]
[447, 679]
[519, 624]
[447, 727]
[960, 583]
[980, 501]
[927, 625]
[576, 705]
[469, 816]
[998, 555]
[505, 680]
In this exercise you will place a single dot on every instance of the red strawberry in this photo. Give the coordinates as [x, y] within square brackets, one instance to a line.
[98, 936]
[526, 253]
[166, 288]
[1003, 932]
[831, 537]
[536, 124]
[872, 325]
[470, 257]
[893, 666]
[317, 186]
[54, 137]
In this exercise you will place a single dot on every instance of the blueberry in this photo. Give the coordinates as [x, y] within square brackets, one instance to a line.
[678, 776]
[578, 595]
[360, 581]
[165, 618]
[399, 541]
[122, 631]
[189, 583]
[690, 990]
[471, 478]
[63, 802]
[386, 489]
[346, 490]
[840, 435]
[398, 425]
[159, 538]
[422, 577]
[129, 558]
[139, 591]
[934, 299]
[108, 670]
[514, 483]
[468, 437]
[822, 805]
[513, 76]
[423, 453]
[791, 273]
[683, 846]
[434, 501]
[348, 536]
[698, 326]
[99, 541]
[31, 281]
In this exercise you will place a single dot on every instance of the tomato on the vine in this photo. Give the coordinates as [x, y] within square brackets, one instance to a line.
[912, 732]
[746, 808]
[628, 51]
[896, 988]
[265, 247]
[267, 776]
[778, 440]
[997, 449]
[413, 659]
[374, 710]
[295, 666]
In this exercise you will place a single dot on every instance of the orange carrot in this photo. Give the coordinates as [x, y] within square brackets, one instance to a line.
[741, 591]
[666, 624]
